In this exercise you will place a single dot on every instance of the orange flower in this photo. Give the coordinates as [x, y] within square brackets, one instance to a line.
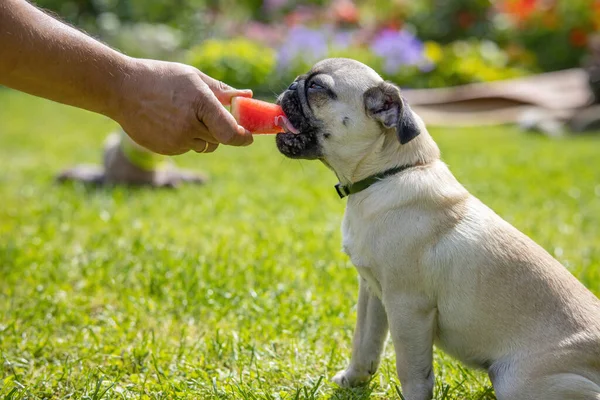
[578, 37]
[596, 15]
[520, 9]
[465, 19]
[393, 24]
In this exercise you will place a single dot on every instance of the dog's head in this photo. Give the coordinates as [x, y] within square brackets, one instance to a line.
[340, 108]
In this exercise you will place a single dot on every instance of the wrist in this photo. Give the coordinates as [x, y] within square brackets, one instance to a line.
[122, 92]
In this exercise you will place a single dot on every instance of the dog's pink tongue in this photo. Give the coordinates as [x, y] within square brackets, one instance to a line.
[285, 124]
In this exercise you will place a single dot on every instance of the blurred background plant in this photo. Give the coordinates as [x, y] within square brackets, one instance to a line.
[240, 62]
[265, 44]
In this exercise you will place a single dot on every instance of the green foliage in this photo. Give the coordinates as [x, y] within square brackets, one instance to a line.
[361, 54]
[457, 63]
[150, 11]
[238, 62]
[145, 40]
[535, 35]
[447, 21]
[243, 63]
[469, 61]
[237, 289]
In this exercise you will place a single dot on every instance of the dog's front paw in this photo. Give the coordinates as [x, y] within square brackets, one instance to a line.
[350, 378]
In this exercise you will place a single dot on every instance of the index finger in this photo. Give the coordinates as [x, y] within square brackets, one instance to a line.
[221, 124]
[223, 91]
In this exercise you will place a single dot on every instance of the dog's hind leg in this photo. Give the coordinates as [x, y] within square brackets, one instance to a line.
[563, 386]
[369, 339]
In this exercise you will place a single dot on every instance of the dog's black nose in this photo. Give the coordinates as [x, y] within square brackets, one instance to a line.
[293, 86]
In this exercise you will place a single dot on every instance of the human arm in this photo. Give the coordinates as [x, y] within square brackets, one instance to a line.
[166, 107]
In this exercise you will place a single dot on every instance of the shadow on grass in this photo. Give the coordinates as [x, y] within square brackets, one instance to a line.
[97, 187]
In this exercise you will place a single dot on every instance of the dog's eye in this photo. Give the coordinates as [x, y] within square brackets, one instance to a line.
[315, 86]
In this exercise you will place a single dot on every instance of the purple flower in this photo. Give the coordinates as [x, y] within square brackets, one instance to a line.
[343, 40]
[302, 42]
[398, 48]
[426, 66]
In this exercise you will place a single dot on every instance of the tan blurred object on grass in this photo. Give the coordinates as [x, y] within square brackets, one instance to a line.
[126, 163]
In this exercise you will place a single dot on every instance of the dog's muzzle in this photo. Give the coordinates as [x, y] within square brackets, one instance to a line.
[303, 144]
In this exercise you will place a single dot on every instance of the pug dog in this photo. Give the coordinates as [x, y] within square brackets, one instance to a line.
[436, 265]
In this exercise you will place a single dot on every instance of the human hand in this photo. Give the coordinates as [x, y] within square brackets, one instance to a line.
[171, 108]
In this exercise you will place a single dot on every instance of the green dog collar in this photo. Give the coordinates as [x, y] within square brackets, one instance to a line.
[347, 190]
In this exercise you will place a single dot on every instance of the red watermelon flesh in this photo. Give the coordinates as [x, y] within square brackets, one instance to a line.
[259, 116]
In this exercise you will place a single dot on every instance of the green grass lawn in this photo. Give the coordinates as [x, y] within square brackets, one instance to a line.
[237, 289]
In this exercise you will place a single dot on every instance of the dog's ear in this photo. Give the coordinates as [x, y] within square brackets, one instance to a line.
[385, 104]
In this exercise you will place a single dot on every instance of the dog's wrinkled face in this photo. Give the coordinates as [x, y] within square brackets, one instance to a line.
[338, 106]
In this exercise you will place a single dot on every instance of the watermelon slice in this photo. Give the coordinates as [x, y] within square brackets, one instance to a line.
[259, 116]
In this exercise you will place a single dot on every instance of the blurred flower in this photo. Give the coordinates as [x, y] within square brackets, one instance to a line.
[596, 15]
[345, 11]
[398, 48]
[393, 24]
[426, 67]
[520, 9]
[303, 15]
[302, 42]
[342, 40]
[578, 37]
[269, 34]
[433, 51]
[465, 19]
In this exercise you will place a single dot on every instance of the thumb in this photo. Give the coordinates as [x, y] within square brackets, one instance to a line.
[223, 91]
[221, 124]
